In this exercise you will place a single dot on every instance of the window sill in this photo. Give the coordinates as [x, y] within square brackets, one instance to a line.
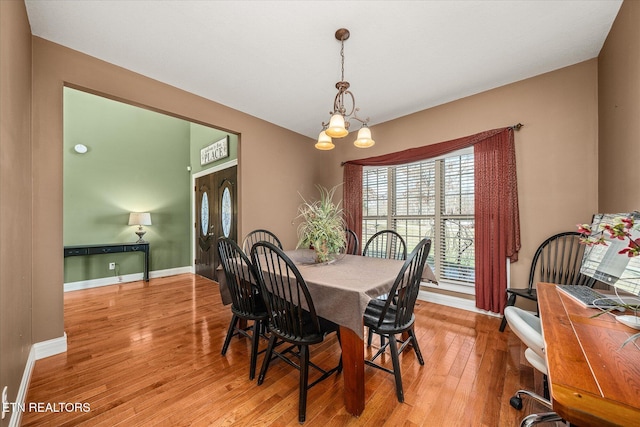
[452, 301]
[451, 286]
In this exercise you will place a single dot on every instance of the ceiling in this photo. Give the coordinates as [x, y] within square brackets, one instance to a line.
[279, 60]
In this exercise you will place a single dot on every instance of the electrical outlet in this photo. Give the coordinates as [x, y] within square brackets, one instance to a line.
[112, 266]
[5, 402]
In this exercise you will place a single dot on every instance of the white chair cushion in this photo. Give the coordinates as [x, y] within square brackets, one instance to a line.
[528, 328]
[536, 361]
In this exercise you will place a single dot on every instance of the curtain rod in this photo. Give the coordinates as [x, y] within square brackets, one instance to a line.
[515, 127]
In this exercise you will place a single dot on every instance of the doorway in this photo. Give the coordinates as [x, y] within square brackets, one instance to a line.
[216, 212]
[150, 178]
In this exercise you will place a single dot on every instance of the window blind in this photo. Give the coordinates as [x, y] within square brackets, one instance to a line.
[432, 198]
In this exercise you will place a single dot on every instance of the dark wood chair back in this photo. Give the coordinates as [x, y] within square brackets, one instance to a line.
[557, 260]
[404, 291]
[386, 244]
[241, 279]
[257, 236]
[353, 244]
[292, 314]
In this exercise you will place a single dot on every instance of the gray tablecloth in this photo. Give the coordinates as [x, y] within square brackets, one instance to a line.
[342, 289]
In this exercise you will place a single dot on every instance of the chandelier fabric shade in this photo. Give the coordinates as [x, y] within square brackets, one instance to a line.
[139, 218]
[344, 110]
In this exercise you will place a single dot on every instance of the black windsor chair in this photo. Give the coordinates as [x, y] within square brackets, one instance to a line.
[395, 314]
[292, 317]
[257, 236]
[247, 303]
[385, 244]
[557, 260]
[353, 244]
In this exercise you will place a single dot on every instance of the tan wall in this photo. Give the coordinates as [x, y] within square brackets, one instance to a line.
[556, 154]
[619, 113]
[270, 166]
[556, 150]
[15, 195]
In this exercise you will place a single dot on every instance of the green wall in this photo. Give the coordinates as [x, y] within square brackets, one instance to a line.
[136, 162]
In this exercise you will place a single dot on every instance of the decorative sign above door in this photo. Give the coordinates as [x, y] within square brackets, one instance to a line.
[215, 151]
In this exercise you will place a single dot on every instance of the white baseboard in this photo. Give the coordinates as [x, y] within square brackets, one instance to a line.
[50, 347]
[21, 397]
[38, 351]
[117, 280]
[451, 301]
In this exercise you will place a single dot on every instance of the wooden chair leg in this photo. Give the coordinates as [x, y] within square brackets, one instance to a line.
[227, 340]
[545, 387]
[511, 301]
[370, 339]
[304, 380]
[416, 347]
[393, 344]
[257, 326]
[267, 359]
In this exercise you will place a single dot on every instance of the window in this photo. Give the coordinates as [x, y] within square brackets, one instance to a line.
[432, 198]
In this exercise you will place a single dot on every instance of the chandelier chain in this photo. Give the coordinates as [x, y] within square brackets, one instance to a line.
[342, 58]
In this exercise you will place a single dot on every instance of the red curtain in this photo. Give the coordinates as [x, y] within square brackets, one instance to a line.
[496, 204]
[353, 199]
[497, 218]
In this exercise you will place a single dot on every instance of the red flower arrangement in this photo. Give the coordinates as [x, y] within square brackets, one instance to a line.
[621, 230]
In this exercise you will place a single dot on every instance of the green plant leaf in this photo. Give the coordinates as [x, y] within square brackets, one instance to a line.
[323, 222]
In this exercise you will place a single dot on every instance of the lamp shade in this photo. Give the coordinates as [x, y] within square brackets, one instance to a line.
[324, 142]
[336, 127]
[139, 218]
[364, 138]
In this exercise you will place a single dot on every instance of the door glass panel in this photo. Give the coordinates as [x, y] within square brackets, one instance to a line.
[204, 214]
[225, 213]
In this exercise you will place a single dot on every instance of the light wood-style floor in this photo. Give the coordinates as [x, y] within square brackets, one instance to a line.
[143, 354]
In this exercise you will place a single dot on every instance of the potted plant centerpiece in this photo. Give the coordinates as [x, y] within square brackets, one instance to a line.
[323, 226]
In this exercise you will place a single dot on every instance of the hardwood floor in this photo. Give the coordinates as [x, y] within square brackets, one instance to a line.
[149, 354]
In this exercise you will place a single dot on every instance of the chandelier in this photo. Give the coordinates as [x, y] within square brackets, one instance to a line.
[339, 123]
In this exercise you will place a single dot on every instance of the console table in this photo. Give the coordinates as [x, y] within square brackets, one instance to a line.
[111, 248]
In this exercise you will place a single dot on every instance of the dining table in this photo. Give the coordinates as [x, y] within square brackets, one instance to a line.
[341, 291]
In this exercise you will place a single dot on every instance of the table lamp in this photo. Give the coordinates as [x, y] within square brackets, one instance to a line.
[140, 219]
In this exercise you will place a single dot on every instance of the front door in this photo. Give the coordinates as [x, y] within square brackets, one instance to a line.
[216, 216]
